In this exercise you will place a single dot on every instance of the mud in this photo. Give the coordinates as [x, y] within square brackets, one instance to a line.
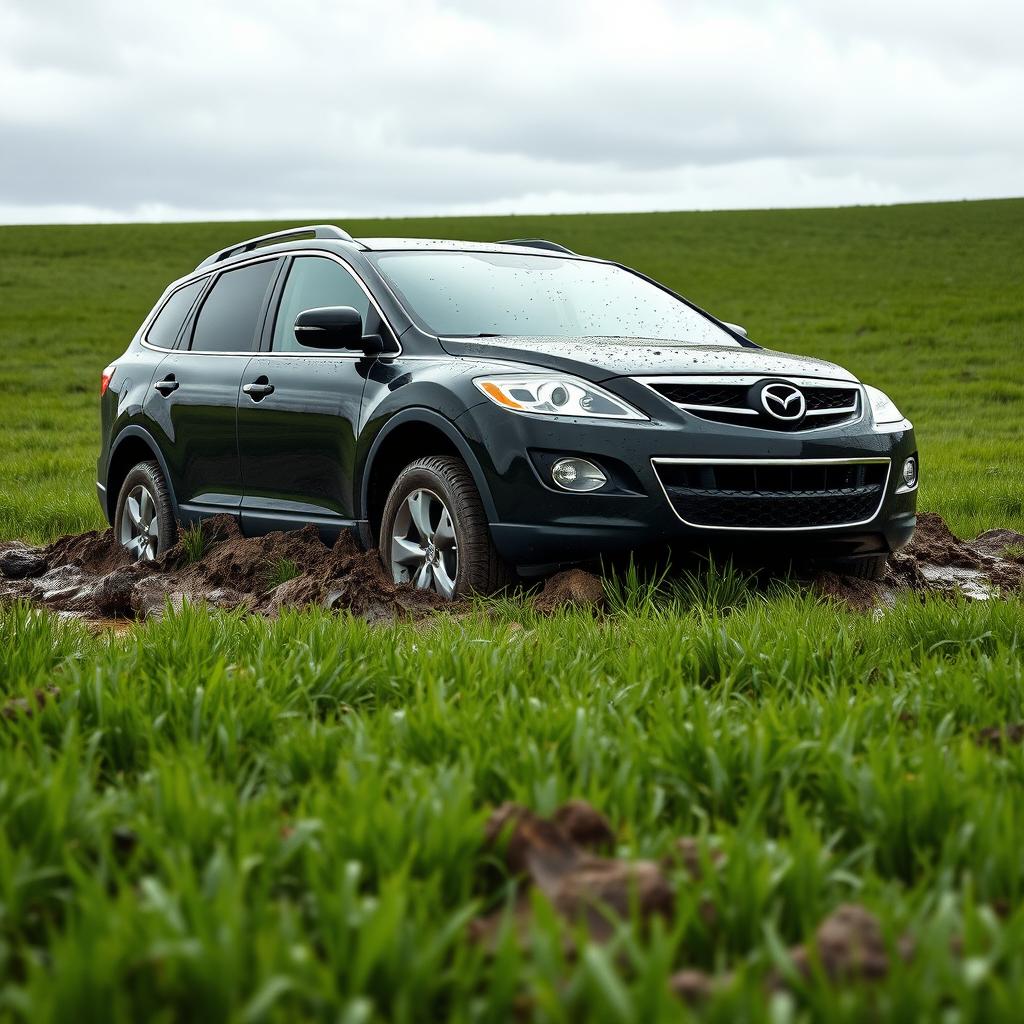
[89, 576]
[847, 947]
[574, 587]
[1000, 736]
[935, 562]
[26, 707]
[556, 855]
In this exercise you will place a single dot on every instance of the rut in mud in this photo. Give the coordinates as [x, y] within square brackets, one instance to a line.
[89, 575]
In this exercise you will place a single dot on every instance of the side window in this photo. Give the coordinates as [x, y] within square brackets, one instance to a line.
[315, 281]
[163, 331]
[228, 317]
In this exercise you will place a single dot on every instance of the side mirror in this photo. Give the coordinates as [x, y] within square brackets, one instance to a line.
[736, 329]
[335, 327]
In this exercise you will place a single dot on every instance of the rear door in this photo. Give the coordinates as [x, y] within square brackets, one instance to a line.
[297, 421]
[193, 398]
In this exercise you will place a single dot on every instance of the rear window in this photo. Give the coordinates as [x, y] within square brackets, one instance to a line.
[163, 331]
[228, 318]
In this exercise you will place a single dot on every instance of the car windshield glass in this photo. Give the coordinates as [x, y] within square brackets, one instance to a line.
[476, 294]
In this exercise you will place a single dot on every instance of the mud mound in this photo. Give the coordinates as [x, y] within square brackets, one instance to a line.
[861, 595]
[94, 552]
[935, 544]
[935, 562]
[90, 575]
[346, 577]
[572, 588]
[995, 543]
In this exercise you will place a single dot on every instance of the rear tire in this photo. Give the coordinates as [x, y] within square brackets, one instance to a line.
[870, 567]
[144, 520]
[434, 531]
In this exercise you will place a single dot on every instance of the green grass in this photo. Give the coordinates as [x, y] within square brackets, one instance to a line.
[924, 301]
[222, 817]
[194, 541]
[283, 570]
[227, 818]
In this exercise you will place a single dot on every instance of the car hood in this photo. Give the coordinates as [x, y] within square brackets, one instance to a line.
[598, 359]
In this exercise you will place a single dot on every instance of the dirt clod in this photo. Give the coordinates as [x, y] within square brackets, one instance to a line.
[574, 587]
[693, 986]
[581, 886]
[585, 826]
[999, 736]
[994, 543]
[848, 945]
[21, 563]
[18, 707]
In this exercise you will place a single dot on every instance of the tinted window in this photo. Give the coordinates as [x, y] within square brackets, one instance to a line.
[470, 294]
[314, 282]
[227, 320]
[163, 331]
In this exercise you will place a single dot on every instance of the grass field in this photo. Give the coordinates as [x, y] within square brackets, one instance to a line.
[222, 817]
[926, 302]
[218, 817]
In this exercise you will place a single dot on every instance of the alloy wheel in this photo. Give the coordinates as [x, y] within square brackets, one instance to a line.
[140, 525]
[424, 550]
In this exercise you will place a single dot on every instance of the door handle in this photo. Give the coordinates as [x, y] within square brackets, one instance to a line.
[166, 386]
[258, 389]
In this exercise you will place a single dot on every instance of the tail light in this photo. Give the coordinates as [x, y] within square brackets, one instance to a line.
[105, 378]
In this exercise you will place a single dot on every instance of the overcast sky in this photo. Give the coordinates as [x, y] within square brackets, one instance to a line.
[120, 110]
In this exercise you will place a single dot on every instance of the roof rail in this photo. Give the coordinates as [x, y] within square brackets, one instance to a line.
[537, 243]
[318, 230]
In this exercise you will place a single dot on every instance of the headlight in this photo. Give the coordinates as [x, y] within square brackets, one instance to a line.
[555, 395]
[883, 408]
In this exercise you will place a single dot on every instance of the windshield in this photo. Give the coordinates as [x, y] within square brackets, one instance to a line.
[476, 294]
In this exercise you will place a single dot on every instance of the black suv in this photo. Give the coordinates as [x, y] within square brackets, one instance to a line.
[478, 410]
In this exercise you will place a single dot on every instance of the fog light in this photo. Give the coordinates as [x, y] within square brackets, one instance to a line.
[910, 473]
[577, 475]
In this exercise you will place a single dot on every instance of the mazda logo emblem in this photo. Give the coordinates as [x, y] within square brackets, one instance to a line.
[783, 402]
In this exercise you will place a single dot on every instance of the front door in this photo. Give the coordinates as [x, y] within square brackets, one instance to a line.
[192, 400]
[298, 410]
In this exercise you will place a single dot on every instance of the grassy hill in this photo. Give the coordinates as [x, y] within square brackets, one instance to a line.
[925, 301]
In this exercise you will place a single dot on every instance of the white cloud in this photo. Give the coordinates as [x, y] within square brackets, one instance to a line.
[117, 110]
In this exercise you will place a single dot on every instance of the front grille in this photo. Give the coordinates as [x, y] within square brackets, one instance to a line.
[739, 403]
[773, 494]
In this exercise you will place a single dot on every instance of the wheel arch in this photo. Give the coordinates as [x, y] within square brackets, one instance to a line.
[407, 436]
[134, 444]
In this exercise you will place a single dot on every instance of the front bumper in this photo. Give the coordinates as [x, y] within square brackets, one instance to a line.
[534, 524]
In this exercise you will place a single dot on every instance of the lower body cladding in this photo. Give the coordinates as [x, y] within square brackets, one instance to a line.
[823, 494]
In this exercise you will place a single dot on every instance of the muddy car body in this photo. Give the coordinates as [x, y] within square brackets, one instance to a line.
[480, 409]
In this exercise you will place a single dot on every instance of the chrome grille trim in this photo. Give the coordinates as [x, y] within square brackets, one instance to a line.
[863, 461]
[854, 411]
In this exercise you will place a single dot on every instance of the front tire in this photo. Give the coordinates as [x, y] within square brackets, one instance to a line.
[144, 521]
[434, 531]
